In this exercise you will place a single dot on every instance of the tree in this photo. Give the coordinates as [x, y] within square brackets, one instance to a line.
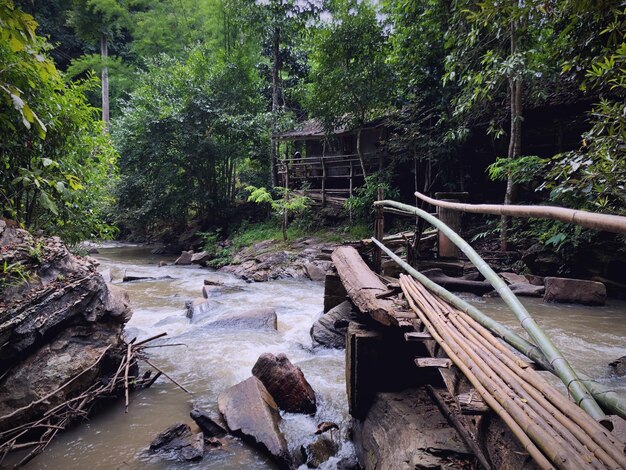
[279, 25]
[351, 79]
[55, 161]
[182, 135]
[100, 20]
[493, 45]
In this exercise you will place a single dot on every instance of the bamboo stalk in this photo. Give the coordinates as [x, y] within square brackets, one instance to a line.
[561, 366]
[552, 445]
[548, 414]
[607, 222]
[609, 399]
[500, 409]
[572, 418]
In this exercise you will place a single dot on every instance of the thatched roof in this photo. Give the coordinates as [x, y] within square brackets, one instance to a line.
[314, 129]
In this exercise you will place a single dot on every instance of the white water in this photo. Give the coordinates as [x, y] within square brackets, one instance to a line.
[211, 361]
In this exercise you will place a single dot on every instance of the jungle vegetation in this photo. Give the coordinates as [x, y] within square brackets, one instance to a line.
[148, 115]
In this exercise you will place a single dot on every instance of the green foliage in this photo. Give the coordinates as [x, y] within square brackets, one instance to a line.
[286, 201]
[362, 203]
[351, 78]
[522, 169]
[54, 173]
[184, 131]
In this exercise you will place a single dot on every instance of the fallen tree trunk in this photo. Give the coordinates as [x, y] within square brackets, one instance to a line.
[363, 285]
[607, 222]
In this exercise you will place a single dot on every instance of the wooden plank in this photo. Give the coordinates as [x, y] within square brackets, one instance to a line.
[433, 362]
[362, 285]
[418, 336]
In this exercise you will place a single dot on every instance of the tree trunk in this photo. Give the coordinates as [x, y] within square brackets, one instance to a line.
[276, 105]
[515, 140]
[104, 54]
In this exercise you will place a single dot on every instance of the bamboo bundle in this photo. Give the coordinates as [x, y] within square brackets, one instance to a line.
[552, 429]
[610, 400]
[561, 366]
[607, 222]
[59, 417]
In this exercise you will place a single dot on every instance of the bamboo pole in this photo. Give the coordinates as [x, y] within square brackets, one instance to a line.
[607, 222]
[502, 409]
[577, 423]
[610, 400]
[553, 355]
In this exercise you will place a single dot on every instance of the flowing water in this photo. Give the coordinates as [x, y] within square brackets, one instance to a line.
[213, 360]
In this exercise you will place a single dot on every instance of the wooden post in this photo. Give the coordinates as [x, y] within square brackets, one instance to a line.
[351, 188]
[452, 218]
[323, 182]
[379, 228]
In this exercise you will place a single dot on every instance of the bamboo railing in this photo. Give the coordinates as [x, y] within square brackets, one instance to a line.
[607, 222]
[610, 401]
[561, 366]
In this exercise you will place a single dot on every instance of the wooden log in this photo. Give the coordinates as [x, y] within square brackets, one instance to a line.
[362, 285]
[433, 362]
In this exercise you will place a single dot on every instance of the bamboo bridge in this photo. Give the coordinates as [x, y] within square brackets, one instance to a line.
[484, 366]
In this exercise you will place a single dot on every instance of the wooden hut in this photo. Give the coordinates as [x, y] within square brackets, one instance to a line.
[329, 166]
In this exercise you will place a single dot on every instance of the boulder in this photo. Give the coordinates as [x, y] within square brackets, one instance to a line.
[184, 259]
[559, 289]
[258, 318]
[330, 329]
[106, 275]
[251, 412]
[512, 278]
[208, 425]
[196, 307]
[319, 451]
[527, 290]
[178, 443]
[201, 258]
[314, 272]
[286, 383]
[117, 304]
[619, 366]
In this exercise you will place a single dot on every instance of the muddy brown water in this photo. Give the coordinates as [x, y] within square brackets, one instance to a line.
[214, 360]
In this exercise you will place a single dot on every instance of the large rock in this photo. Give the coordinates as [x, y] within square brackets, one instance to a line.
[406, 431]
[178, 443]
[258, 318]
[201, 258]
[184, 259]
[251, 412]
[541, 260]
[331, 328]
[286, 383]
[619, 366]
[314, 272]
[559, 289]
[206, 422]
[58, 318]
[319, 451]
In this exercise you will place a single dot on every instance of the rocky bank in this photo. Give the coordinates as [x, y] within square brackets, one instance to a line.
[60, 326]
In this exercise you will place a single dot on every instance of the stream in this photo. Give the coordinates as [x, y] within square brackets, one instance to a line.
[211, 361]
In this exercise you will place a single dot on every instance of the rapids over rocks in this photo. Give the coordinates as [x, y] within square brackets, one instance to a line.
[210, 360]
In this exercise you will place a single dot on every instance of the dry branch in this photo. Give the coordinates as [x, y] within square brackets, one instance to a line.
[62, 415]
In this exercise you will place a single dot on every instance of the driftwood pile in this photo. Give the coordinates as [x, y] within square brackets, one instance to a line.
[35, 435]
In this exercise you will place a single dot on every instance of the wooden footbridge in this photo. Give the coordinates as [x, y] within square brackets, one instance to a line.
[484, 366]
